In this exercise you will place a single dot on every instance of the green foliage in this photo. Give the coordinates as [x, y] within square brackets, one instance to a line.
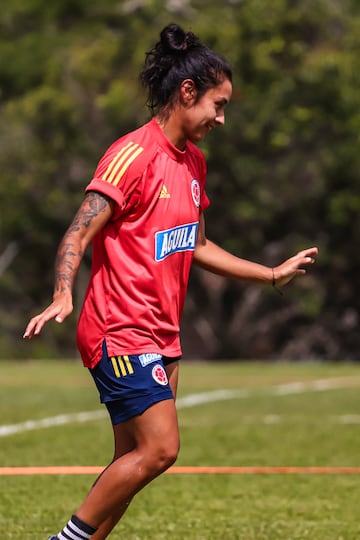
[283, 173]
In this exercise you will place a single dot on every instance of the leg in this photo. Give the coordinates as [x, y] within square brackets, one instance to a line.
[145, 445]
[156, 443]
[124, 443]
[172, 372]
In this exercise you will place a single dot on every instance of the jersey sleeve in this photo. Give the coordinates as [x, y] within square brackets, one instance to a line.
[118, 175]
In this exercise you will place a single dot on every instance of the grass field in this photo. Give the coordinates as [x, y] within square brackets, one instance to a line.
[267, 415]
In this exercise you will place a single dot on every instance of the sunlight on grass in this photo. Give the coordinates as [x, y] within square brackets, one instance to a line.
[226, 432]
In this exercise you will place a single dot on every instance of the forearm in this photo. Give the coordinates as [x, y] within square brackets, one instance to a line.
[90, 218]
[213, 258]
[68, 259]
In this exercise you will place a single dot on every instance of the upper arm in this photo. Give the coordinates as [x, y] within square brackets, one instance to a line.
[94, 212]
[201, 238]
[201, 241]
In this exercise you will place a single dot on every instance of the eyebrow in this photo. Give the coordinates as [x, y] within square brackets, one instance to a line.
[222, 101]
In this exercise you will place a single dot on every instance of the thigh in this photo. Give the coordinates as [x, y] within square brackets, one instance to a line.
[129, 385]
[124, 440]
[172, 371]
[154, 431]
[159, 421]
[157, 428]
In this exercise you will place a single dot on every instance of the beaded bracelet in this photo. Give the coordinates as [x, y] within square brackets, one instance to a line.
[274, 283]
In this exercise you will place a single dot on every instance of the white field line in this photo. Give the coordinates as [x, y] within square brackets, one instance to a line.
[51, 421]
[192, 400]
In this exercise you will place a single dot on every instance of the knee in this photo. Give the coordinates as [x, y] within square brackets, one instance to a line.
[169, 455]
[162, 457]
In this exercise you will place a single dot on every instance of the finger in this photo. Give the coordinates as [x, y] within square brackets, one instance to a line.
[303, 258]
[310, 252]
[36, 328]
[28, 332]
[36, 324]
[30, 329]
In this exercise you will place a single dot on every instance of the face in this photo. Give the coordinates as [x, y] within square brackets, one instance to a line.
[201, 116]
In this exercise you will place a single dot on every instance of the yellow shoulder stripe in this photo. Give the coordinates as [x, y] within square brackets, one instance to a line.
[121, 162]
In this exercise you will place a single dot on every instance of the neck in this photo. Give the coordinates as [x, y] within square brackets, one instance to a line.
[171, 129]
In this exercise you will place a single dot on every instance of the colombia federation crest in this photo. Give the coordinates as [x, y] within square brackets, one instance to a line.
[195, 192]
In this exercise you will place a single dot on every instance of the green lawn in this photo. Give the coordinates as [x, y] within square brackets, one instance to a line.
[259, 425]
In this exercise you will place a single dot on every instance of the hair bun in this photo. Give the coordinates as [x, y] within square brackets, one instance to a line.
[175, 40]
[177, 56]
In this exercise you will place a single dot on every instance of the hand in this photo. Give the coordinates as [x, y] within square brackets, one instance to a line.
[286, 271]
[59, 309]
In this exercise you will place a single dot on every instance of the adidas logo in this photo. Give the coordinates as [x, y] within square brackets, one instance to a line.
[164, 194]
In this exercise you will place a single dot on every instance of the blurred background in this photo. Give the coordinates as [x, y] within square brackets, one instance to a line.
[283, 174]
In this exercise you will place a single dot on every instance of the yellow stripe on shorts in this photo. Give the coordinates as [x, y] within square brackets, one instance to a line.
[128, 365]
[115, 366]
[122, 366]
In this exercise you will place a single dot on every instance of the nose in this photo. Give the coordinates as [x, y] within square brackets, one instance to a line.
[220, 119]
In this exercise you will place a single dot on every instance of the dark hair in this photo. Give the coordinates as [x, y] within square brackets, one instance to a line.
[180, 55]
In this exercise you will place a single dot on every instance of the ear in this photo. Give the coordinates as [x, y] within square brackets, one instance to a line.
[188, 92]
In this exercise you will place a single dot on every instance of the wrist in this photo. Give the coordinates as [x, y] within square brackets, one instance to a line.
[273, 279]
[62, 292]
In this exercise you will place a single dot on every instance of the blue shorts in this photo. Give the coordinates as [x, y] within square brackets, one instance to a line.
[128, 385]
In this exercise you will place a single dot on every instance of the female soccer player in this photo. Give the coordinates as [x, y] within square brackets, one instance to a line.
[143, 212]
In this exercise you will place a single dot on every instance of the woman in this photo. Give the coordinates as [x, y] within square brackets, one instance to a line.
[144, 215]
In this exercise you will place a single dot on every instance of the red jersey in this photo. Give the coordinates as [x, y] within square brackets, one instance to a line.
[142, 257]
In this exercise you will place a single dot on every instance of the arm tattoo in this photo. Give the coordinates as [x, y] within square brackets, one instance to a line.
[70, 253]
[93, 205]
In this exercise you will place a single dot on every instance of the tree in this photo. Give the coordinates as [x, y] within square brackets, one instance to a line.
[282, 173]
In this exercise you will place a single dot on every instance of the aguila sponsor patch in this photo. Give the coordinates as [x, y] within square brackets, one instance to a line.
[149, 358]
[181, 238]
